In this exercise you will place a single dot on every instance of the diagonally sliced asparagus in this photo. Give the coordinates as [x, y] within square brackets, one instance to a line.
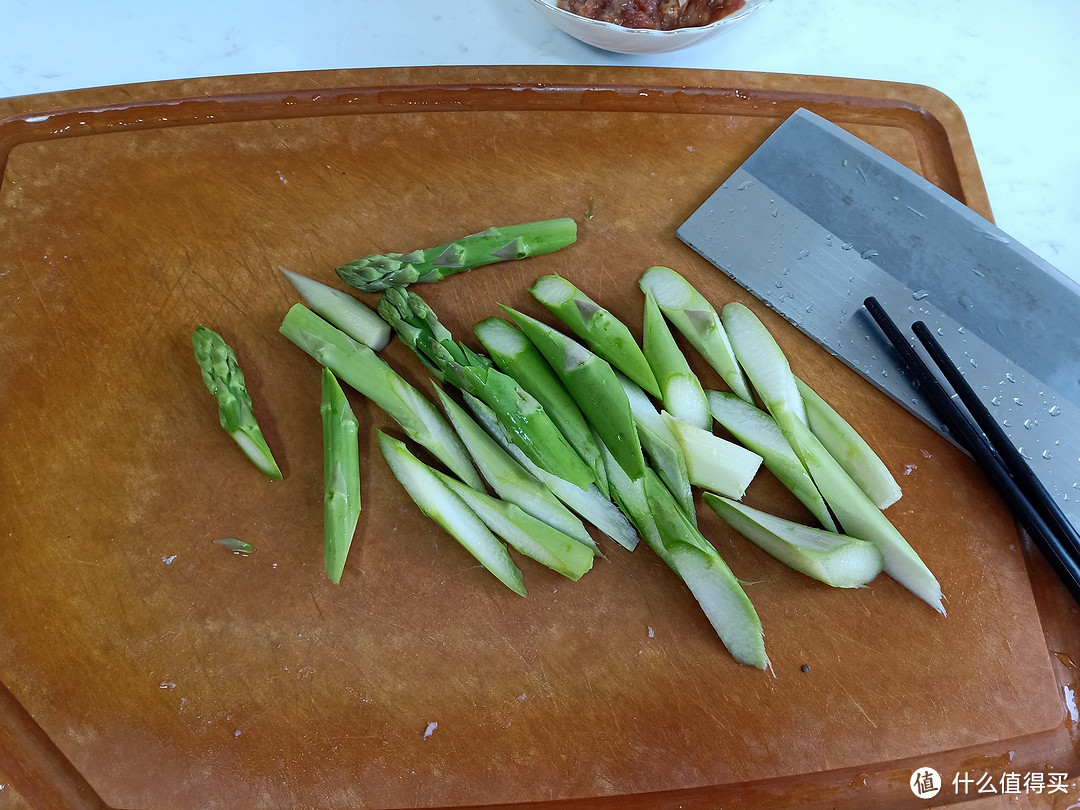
[341, 475]
[529, 424]
[516, 356]
[661, 446]
[508, 478]
[224, 379]
[714, 463]
[692, 314]
[348, 313]
[532, 537]
[603, 333]
[835, 559]
[381, 271]
[589, 503]
[440, 503]
[858, 515]
[762, 360]
[850, 449]
[759, 432]
[592, 383]
[680, 389]
[358, 366]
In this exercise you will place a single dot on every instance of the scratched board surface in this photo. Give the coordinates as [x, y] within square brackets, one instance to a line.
[172, 672]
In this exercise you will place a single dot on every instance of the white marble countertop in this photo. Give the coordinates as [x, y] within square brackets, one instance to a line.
[1012, 68]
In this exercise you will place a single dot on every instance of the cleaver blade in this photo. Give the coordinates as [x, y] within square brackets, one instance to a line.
[816, 220]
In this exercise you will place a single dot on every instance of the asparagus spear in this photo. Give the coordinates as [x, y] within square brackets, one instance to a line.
[714, 463]
[529, 424]
[762, 360]
[369, 374]
[692, 314]
[599, 330]
[224, 379]
[441, 504]
[680, 388]
[510, 480]
[758, 431]
[835, 559]
[850, 449]
[341, 475]
[529, 535]
[515, 355]
[379, 272]
[592, 383]
[349, 314]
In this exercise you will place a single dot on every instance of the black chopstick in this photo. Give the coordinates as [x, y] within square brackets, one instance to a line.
[1018, 467]
[1059, 549]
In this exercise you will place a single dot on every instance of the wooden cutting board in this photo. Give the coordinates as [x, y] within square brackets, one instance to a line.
[146, 666]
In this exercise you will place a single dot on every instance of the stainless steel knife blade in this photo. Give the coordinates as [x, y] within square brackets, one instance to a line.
[816, 220]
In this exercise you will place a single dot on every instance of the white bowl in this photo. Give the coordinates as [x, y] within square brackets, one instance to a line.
[616, 38]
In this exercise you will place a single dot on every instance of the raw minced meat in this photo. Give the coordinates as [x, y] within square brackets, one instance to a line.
[664, 15]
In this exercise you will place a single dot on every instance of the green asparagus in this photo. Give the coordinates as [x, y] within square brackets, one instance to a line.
[341, 475]
[348, 313]
[361, 368]
[529, 424]
[379, 272]
[224, 379]
[680, 388]
[603, 333]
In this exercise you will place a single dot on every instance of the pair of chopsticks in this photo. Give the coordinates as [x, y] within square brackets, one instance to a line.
[979, 433]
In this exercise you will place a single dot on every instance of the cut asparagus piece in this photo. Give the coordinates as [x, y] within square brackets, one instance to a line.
[592, 383]
[600, 331]
[835, 559]
[708, 577]
[532, 537]
[714, 463]
[661, 446]
[508, 478]
[520, 413]
[515, 355]
[762, 360]
[358, 366]
[759, 432]
[381, 271]
[858, 515]
[348, 313]
[589, 503]
[692, 314]
[341, 475]
[221, 372]
[441, 504]
[849, 449]
[680, 389]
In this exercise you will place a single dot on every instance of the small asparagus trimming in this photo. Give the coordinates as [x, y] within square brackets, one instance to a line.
[600, 331]
[221, 372]
[341, 475]
[381, 271]
[680, 389]
[349, 314]
[849, 449]
[359, 367]
[445, 507]
[692, 315]
[835, 559]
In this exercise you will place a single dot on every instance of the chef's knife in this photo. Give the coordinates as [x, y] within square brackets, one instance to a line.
[816, 220]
